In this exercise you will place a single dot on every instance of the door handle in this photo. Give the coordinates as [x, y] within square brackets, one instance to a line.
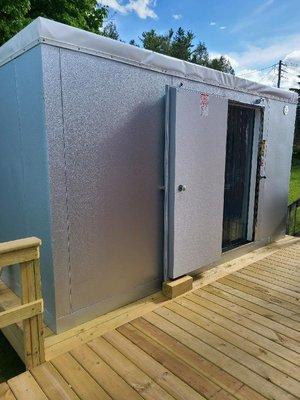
[263, 177]
[181, 188]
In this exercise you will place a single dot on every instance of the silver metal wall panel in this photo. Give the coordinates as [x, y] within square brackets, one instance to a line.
[229, 94]
[197, 139]
[114, 140]
[278, 130]
[279, 134]
[81, 166]
[25, 206]
[57, 176]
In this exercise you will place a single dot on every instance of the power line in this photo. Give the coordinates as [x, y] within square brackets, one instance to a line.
[258, 70]
[276, 69]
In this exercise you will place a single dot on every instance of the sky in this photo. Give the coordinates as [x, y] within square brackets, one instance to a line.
[253, 34]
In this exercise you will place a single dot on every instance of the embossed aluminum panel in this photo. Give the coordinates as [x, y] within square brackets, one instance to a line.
[197, 146]
[279, 135]
[92, 131]
[54, 128]
[114, 143]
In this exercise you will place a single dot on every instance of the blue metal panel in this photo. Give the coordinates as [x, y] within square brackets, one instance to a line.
[24, 201]
[12, 213]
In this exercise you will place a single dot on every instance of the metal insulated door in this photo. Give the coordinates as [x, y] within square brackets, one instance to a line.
[195, 168]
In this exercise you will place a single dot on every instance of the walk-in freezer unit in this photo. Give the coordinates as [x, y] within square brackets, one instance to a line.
[131, 166]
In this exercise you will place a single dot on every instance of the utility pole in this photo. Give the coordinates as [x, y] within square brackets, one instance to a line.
[279, 73]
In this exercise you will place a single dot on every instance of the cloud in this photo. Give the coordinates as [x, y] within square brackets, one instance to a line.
[269, 52]
[212, 23]
[115, 5]
[257, 64]
[177, 16]
[223, 27]
[267, 76]
[143, 8]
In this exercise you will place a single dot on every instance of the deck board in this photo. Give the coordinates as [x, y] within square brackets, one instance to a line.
[235, 338]
[5, 392]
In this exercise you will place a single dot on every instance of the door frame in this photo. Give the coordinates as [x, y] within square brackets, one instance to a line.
[255, 174]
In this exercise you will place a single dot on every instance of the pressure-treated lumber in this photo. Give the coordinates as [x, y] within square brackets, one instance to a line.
[219, 271]
[56, 344]
[216, 342]
[177, 287]
[5, 392]
[32, 327]
[18, 251]
[58, 389]
[19, 313]
[24, 387]
[19, 244]
[26, 253]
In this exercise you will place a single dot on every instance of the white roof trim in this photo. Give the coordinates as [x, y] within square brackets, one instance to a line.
[42, 30]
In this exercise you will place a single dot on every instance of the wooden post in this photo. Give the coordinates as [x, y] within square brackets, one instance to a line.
[26, 252]
[32, 327]
[172, 289]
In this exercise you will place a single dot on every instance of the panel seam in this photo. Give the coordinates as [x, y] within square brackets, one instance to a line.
[66, 185]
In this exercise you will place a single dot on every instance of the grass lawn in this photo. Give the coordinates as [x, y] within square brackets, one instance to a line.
[295, 185]
[295, 178]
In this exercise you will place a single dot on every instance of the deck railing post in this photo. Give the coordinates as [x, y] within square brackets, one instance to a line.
[32, 327]
[26, 253]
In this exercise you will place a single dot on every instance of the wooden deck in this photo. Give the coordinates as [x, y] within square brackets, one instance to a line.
[235, 338]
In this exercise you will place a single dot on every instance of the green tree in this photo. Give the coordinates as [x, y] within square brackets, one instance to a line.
[84, 14]
[221, 64]
[110, 30]
[156, 42]
[181, 45]
[134, 43]
[200, 55]
[13, 17]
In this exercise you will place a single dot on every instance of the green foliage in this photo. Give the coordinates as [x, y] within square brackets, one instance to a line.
[88, 15]
[159, 43]
[181, 45]
[133, 43]
[13, 17]
[294, 193]
[84, 14]
[110, 30]
[221, 64]
[295, 178]
[200, 55]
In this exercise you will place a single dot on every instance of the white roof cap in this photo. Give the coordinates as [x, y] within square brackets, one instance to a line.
[42, 30]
